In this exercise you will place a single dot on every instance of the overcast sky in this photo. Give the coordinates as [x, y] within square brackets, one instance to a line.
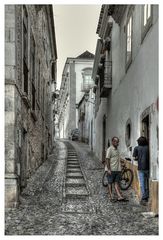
[75, 27]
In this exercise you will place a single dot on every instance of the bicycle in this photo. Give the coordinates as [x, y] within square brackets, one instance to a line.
[126, 176]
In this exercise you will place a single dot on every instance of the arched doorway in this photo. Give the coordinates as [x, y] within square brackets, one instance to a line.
[103, 137]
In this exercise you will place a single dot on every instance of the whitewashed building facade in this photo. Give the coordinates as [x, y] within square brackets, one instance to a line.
[126, 76]
[76, 71]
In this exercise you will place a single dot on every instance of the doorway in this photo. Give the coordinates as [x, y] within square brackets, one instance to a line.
[23, 161]
[103, 137]
[92, 134]
[145, 127]
[145, 132]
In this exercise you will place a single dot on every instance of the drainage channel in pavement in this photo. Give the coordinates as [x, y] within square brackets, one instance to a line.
[75, 193]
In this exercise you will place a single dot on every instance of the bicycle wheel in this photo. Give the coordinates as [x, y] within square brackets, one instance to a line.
[126, 179]
[104, 179]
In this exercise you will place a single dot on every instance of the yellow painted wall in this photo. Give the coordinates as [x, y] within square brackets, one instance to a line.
[154, 189]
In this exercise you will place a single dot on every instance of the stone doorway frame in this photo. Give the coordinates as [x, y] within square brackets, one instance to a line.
[103, 137]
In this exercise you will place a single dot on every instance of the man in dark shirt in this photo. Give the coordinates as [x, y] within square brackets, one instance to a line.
[141, 154]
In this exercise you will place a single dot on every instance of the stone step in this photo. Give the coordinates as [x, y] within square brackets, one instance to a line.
[71, 171]
[74, 169]
[70, 175]
[75, 184]
[74, 174]
[73, 162]
[75, 181]
[72, 154]
[76, 196]
[73, 166]
[72, 159]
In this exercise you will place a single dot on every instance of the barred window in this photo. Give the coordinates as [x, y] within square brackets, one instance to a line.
[33, 96]
[32, 49]
[39, 81]
[32, 58]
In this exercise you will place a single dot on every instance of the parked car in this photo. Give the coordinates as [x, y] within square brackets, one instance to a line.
[75, 134]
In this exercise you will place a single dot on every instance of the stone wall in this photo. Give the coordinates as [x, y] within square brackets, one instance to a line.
[27, 129]
[11, 178]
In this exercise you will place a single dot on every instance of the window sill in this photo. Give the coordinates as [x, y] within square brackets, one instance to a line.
[128, 64]
[145, 30]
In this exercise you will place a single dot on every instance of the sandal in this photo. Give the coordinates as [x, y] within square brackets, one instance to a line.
[122, 200]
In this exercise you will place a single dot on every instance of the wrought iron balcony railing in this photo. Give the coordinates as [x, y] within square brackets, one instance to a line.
[106, 79]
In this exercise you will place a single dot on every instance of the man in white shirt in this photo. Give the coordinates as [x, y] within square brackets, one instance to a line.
[114, 169]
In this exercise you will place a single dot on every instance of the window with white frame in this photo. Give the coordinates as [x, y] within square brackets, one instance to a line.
[129, 41]
[146, 19]
[147, 13]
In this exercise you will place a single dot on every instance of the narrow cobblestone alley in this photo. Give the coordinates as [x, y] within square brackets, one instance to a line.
[48, 208]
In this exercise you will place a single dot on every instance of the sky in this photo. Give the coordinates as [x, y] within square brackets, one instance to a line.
[75, 27]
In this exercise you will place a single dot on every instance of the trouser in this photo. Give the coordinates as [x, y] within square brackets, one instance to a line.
[144, 184]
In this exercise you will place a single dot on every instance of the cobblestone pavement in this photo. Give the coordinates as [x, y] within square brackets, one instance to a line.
[41, 211]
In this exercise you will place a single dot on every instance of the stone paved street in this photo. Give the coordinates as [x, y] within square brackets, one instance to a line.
[42, 210]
